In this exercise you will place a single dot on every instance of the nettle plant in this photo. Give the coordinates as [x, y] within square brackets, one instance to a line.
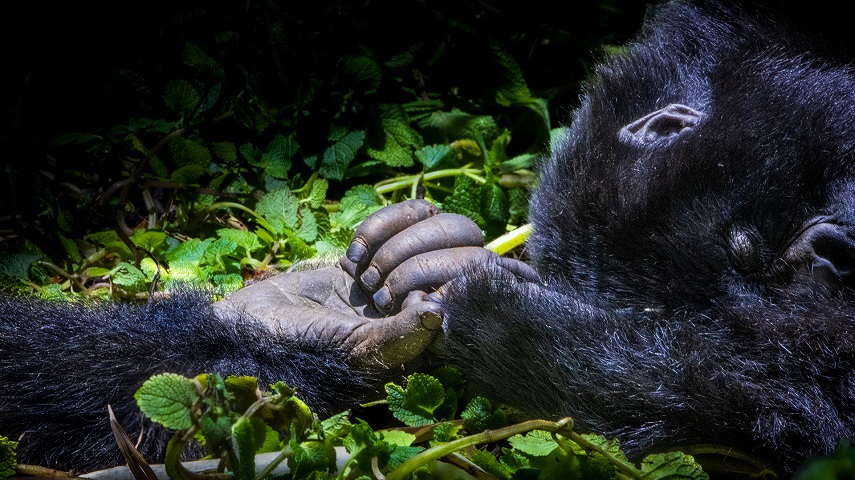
[253, 152]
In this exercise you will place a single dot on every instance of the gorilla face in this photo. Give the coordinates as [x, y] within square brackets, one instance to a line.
[710, 164]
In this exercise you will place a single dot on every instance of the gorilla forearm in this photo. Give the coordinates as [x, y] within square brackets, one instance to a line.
[652, 380]
[103, 354]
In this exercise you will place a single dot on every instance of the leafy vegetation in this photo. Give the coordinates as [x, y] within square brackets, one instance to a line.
[228, 140]
[235, 422]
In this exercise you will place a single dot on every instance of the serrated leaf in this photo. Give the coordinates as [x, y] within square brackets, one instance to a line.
[513, 88]
[217, 430]
[190, 251]
[487, 462]
[167, 399]
[465, 199]
[279, 208]
[357, 203]
[189, 174]
[479, 416]
[311, 457]
[248, 240]
[300, 250]
[494, 209]
[671, 466]
[415, 405]
[277, 155]
[252, 154]
[460, 125]
[337, 132]
[243, 445]
[18, 264]
[318, 193]
[179, 95]
[8, 457]
[225, 150]
[338, 156]
[364, 71]
[536, 443]
[229, 283]
[189, 152]
[128, 275]
[308, 225]
[432, 155]
[400, 142]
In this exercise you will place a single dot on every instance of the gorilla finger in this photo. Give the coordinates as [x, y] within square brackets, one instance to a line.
[444, 231]
[401, 338]
[521, 270]
[384, 224]
[427, 272]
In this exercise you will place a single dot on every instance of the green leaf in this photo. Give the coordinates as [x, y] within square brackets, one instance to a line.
[338, 156]
[217, 429]
[357, 203]
[399, 144]
[252, 154]
[225, 150]
[244, 446]
[127, 275]
[465, 199]
[460, 125]
[228, 283]
[168, 399]
[247, 240]
[479, 416]
[149, 240]
[494, 209]
[189, 152]
[279, 208]
[8, 457]
[312, 457]
[445, 432]
[415, 405]
[400, 454]
[362, 444]
[433, 155]
[189, 174]
[364, 71]
[536, 443]
[308, 225]
[671, 466]
[318, 193]
[513, 89]
[277, 156]
[487, 462]
[180, 95]
[190, 251]
[336, 426]
[18, 264]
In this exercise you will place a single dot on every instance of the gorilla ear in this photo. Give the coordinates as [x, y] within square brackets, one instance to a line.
[826, 252]
[662, 126]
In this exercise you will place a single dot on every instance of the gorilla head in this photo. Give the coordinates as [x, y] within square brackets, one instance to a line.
[696, 231]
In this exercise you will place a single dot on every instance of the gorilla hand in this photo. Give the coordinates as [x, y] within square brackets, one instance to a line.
[404, 250]
[326, 307]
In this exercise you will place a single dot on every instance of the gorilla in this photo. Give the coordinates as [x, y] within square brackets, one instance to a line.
[693, 263]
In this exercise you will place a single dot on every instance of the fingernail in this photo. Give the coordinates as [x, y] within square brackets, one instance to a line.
[383, 298]
[371, 277]
[356, 251]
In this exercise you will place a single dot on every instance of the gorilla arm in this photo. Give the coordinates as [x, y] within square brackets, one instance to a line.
[61, 364]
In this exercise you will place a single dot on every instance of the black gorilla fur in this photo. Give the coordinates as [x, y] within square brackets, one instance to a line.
[674, 309]
[62, 364]
[681, 304]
